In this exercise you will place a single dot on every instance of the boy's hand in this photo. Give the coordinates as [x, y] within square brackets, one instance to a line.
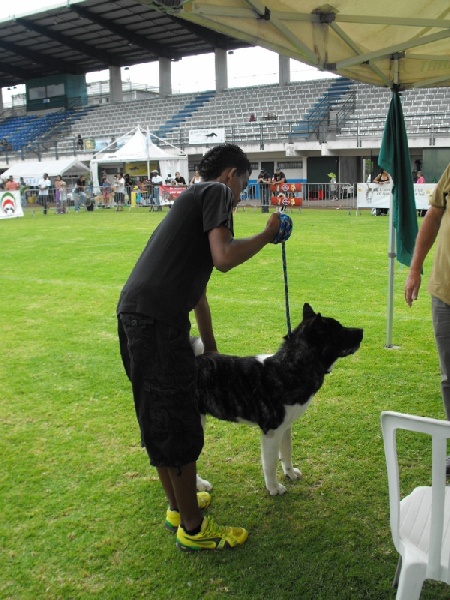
[285, 229]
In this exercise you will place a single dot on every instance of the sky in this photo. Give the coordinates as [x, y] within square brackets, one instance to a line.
[190, 74]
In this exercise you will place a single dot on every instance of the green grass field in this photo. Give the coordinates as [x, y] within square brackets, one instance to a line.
[81, 510]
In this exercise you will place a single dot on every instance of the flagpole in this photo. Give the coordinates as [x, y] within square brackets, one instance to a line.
[391, 272]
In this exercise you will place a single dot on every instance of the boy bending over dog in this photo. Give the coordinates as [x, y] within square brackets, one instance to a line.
[168, 281]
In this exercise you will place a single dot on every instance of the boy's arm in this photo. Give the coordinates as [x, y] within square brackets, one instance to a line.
[228, 253]
[204, 323]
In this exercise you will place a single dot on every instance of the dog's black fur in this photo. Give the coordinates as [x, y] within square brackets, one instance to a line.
[235, 388]
[265, 391]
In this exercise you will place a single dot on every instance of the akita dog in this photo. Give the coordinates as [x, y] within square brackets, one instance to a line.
[272, 391]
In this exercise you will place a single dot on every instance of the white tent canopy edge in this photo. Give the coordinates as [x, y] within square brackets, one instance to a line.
[32, 171]
[139, 148]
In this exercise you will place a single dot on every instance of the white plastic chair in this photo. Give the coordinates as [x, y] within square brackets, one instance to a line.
[420, 522]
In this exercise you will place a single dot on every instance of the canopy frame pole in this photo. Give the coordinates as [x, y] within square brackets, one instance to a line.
[392, 254]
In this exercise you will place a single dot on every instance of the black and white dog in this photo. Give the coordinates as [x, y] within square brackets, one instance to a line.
[272, 391]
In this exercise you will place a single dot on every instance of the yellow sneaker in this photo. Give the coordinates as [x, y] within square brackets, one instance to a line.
[211, 537]
[172, 521]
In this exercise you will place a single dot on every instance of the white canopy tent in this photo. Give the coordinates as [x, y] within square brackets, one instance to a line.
[34, 170]
[139, 148]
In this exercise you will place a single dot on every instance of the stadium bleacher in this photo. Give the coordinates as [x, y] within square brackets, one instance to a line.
[280, 112]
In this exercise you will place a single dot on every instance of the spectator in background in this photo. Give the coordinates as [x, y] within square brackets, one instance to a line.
[128, 184]
[79, 192]
[63, 197]
[106, 190]
[44, 186]
[5, 145]
[263, 182]
[178, 180]
[119, 191]
[144, 187]
[420, 177]
[11, 185]
[197, 178]
[80, 144]
[59, 183]
[157, 181]
[278, 176]
[23, 191]
[382, 178]
[252, 118]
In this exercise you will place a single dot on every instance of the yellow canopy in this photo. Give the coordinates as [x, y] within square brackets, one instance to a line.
[380, 43]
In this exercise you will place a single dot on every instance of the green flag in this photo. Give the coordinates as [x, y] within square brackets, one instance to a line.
[394, 158]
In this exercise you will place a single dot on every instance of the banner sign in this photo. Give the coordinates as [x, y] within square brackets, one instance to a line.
[285, 201]
[199, 137]
[10, 205]
[170, 192]
[373, 195]
[285, 188]
[287, 194]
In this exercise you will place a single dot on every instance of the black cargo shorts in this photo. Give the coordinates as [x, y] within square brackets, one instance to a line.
[160, 364]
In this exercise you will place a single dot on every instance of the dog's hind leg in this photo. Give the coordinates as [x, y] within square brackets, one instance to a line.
[203, 485]
[286, 456]
[270, 447]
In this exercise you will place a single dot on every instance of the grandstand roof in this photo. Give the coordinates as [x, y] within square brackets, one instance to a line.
[91, 35]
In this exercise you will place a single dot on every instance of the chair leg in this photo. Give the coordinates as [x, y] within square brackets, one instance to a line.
[397, 573]
[411, 580]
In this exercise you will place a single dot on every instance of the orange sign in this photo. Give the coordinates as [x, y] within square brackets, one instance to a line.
[282, 200]
[286, 188]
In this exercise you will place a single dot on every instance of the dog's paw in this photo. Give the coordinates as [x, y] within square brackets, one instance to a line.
[203, 485]
[293, 473]
[278, 490]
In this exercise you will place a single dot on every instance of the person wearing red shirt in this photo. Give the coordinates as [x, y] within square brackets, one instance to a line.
[11, 185]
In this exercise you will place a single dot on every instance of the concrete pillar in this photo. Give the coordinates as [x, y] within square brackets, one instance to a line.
[221, 70]
[115, 85]
[165, 77]
[305, 167]
[284, 70]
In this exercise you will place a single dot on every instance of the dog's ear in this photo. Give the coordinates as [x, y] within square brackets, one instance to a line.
[308, 312]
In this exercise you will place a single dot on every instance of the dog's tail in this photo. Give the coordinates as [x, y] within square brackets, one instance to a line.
[197, 345]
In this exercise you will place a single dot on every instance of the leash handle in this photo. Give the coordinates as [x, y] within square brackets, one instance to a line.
[286, 291]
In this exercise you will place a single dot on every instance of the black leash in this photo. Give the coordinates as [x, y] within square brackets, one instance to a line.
[286, 291]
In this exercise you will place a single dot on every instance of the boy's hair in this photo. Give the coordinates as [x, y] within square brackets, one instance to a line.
[221, 157]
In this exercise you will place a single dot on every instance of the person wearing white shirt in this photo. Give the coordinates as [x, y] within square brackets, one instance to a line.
[157, 180]
[119, 191]
[44, 185]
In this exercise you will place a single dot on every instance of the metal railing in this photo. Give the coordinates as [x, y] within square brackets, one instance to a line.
[423, 125]
[311, 195]
[154, 197]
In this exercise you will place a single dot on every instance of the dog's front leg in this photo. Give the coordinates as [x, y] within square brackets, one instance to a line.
[202, 484]
[286, 456]
[270, 446]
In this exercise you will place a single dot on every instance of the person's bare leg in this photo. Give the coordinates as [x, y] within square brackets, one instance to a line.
[180, 486]
[166, 482]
